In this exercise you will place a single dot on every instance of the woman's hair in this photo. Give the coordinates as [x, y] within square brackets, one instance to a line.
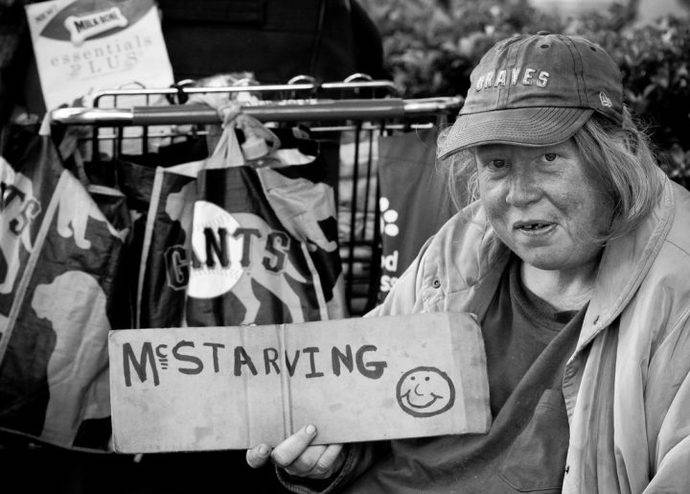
[617, 157]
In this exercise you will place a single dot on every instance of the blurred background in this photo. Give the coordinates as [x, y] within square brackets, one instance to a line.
[430, 47]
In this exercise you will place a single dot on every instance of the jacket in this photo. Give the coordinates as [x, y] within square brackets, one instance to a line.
[626, 386]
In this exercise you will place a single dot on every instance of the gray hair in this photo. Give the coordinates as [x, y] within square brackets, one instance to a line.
[619, 158]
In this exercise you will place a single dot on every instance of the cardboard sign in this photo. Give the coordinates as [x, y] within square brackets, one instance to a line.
[84, 46]
[355, 379]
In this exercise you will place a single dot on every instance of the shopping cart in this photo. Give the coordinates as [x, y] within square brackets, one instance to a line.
[354, 112]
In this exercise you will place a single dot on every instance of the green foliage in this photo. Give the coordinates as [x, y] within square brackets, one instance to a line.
[654, 61]
[431, 47]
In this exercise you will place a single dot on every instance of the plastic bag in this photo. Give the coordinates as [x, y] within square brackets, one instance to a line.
[263, 241]
[59, 262]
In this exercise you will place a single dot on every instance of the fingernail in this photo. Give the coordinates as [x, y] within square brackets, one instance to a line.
[263, 450]
[310, 429]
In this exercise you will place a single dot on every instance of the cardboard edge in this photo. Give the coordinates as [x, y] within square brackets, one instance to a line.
[476, 397]
[112, 342]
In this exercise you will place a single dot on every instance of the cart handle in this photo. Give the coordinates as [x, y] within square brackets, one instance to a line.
[314, 110]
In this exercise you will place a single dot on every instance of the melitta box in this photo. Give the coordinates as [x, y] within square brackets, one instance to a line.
[186, 389]
[82, 46]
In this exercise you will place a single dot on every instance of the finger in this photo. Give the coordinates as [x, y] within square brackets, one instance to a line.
[305, 462]
[258, 456]
[328, 463]
[288, 451]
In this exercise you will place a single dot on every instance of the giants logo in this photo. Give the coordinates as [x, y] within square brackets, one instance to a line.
[18, 208]
[231, 250]
[176, 267]
[179, 207]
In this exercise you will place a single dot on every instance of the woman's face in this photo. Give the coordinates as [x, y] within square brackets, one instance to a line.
[542, 203]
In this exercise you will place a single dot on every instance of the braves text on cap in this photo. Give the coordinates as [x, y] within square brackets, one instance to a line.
[526, 76]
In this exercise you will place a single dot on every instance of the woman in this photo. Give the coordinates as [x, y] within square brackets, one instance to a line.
[576, 260]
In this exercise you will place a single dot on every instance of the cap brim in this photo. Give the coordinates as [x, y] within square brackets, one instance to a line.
[541, 126]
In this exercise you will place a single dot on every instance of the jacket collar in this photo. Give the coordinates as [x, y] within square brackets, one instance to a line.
[624, 264]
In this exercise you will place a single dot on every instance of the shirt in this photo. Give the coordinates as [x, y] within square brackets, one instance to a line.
[527, 343]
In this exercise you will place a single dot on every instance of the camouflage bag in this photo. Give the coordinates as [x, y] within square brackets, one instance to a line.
[242, 242]
[59, 259]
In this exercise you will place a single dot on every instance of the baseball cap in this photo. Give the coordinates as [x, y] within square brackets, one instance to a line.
[536, 90]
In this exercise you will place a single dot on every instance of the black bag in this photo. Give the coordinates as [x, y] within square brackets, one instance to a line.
[414, 201]
[274, 39]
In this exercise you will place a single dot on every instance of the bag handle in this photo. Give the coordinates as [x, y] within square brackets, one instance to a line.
[227, 153]
[69, 147]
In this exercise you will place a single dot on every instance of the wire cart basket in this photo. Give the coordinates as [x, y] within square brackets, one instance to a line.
[355, 112]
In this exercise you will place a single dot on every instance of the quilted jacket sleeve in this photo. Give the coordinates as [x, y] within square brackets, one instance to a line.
[403, 297]
[670, 472]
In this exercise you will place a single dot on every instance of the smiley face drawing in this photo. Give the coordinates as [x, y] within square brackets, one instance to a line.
[425, 391]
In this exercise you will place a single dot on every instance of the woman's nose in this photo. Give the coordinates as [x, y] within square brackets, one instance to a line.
[523, 188]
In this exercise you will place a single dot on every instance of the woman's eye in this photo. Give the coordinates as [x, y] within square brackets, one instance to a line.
[550, 156]
[497, 163]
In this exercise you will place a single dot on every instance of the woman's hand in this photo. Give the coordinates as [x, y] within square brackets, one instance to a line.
[297, 457]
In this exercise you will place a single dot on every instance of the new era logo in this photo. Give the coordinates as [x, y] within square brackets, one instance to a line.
[605, 100]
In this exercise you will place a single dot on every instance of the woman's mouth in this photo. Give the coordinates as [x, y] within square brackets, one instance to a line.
[534, 228]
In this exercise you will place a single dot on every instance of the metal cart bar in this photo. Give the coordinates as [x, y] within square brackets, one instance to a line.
[349, 85]
[104, 135]
[314, 110]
